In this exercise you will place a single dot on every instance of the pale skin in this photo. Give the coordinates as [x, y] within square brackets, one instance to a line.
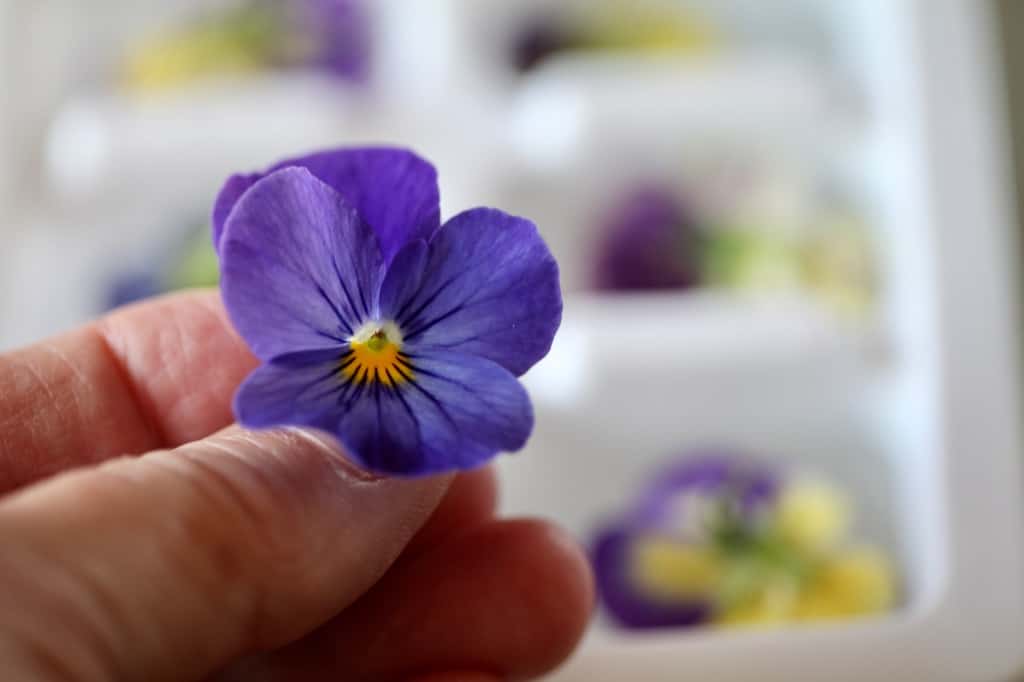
[143, 537]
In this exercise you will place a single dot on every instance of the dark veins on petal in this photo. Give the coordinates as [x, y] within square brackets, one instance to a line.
[345, 326]
[412, 322]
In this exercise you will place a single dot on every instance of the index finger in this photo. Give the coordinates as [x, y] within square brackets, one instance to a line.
[153, 375]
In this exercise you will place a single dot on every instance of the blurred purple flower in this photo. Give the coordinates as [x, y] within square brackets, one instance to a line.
[131, 287]
[684, 501]
[538, 40]
[400, 336]
[337, 36]
[717, 476]
[625, 601]
[650, 241]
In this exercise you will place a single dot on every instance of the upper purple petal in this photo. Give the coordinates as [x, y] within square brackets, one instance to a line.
[393, 190]
[487, 285]
[233, 189]
[299, 269]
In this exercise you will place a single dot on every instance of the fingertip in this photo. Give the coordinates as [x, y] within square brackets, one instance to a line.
[510, 597]
[556, 586]
[461, 676]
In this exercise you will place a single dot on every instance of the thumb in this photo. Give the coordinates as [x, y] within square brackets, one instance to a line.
[169, 565]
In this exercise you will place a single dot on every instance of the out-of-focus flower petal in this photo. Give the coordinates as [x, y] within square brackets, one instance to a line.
[132, 287]
[539, 39]
[628, 606]
[752, 259]
[336, 34]
[670, 570]
[649, 242]
[854, 583]
[774, 603]
[812, 516]
[662, 504]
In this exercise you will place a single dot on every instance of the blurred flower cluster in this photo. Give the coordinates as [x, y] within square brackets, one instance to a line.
[332, 36]
[657, 238]
[612, 26]
[717, 539]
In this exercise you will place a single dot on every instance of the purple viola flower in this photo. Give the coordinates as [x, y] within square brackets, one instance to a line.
[649, 241]
[694, 500]
[400, 336]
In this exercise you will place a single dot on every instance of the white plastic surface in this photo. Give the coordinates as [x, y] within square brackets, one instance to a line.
[931, 449]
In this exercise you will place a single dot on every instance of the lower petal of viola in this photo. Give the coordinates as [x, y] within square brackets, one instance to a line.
[461, 410]
[480, 398]
[297, 389]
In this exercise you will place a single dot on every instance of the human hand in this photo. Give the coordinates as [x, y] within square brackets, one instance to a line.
[235, 555]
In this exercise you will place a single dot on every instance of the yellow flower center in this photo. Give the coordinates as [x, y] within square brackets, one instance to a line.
[375, 356]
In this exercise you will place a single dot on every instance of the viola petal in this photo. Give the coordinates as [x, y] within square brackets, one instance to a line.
[456, 412]
[393, 190]
[478, 397]
[232, 190]
[488, 287]
[298, 389]
[299, 269]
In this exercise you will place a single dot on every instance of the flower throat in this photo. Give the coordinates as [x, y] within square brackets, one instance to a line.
[375, 356]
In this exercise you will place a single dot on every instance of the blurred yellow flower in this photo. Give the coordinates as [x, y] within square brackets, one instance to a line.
[176, 60]
[237, 43]
[669, 570]
[773, 604]
[839, 266]
[812, 516]
[856, 582]
[625, 26]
